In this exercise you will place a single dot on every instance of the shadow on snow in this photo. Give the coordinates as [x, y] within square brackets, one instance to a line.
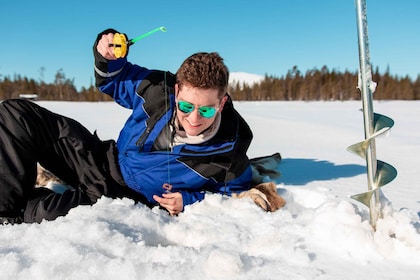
[301, 171]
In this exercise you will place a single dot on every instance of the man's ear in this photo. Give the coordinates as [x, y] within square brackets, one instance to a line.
[176, 90]
[222, 102]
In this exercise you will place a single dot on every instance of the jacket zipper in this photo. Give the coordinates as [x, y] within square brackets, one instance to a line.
[142, 139]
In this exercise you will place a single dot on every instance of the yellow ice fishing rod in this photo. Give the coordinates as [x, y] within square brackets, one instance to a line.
[120, 42]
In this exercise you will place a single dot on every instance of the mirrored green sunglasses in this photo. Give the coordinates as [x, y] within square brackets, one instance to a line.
[204, 111]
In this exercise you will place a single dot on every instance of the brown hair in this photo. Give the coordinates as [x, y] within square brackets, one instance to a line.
[204, 70]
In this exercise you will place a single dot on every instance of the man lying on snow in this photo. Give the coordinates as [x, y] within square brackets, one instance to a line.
[183, 138]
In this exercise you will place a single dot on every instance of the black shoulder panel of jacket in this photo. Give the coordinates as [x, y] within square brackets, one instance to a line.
[156, 89]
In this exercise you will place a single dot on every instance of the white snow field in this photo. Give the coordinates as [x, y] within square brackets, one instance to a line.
[320, 234]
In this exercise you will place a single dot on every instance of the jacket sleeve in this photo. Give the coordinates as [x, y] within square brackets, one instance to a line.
[117, 78]
[191, 197]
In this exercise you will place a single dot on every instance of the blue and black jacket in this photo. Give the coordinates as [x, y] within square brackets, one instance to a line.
[219, 165]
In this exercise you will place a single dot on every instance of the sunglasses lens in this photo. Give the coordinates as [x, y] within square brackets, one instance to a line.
[185, 107]
[207, 112]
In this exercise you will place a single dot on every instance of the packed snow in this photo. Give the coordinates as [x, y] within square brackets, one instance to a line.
[320, 234]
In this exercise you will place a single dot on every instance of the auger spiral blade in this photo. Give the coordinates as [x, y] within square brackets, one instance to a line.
[364, 198]
[385, 173]
[381, 125]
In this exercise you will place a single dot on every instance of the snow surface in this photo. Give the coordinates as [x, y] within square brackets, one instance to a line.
[320, 234]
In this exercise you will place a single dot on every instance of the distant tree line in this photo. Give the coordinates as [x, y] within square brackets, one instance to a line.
[314, 85]
[61, 89]
[324, 84]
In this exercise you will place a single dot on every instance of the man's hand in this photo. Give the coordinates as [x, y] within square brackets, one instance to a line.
[104, 47]
[171, 202]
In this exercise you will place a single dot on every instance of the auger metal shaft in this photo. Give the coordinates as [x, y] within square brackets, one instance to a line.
[379, 173]
[367, 87]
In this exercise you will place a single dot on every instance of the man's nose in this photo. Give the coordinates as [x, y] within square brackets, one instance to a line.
[195, 115]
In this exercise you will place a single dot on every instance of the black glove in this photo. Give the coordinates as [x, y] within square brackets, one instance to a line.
[107, 31]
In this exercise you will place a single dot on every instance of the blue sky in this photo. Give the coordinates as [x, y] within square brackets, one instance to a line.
[259, 36]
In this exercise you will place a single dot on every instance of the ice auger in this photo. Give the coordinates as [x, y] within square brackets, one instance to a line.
[379, 173]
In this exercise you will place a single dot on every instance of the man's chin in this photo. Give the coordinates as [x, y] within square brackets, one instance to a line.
[193, 131]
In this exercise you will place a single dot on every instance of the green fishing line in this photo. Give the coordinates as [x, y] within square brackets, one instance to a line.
[132, 41]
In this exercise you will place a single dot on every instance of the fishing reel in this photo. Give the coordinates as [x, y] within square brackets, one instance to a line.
[120, 45]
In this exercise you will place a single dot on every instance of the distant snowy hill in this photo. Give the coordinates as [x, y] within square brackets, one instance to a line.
[243, 77]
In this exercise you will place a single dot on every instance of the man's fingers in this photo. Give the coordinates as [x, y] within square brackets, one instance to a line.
[169, 202]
